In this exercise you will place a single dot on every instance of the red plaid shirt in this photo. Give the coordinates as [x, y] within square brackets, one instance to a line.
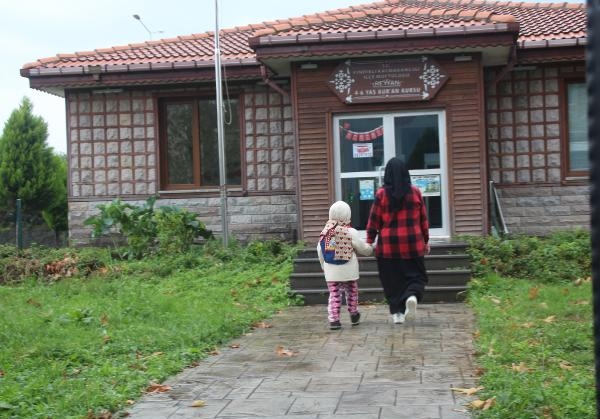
[403, 234]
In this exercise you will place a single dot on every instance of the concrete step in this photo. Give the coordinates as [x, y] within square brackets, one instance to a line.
[448, 269]
[432, 262]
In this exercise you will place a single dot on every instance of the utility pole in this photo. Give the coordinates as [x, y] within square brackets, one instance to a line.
[220, 130]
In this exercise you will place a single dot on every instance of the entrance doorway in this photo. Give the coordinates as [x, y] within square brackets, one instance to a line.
[363, 143]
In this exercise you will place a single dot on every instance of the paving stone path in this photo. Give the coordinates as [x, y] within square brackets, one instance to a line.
[299, 369]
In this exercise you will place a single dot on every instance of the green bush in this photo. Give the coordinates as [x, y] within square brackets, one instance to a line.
[148, 230]
[561, 256]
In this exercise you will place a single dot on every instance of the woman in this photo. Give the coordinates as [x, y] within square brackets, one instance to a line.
[399, 221]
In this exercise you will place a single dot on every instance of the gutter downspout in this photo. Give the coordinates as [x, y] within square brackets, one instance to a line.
[271, 83]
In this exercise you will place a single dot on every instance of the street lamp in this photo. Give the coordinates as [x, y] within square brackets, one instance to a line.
[138, 18]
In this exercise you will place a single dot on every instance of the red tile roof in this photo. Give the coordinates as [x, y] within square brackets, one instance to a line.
[540, 25]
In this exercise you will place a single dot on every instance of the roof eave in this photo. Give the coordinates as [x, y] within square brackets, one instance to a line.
[53, 82]
[134, 68]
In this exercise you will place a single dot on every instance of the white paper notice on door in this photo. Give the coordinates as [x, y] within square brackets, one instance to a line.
[360, 151]
[428, 184]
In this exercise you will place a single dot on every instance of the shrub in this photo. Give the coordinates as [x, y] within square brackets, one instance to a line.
[148, 230]
[561, 256]
[48, 264]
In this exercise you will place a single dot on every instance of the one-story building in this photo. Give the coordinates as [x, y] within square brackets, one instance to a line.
[482, 99]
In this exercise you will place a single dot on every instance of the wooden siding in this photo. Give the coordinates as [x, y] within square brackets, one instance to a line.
[462, 100]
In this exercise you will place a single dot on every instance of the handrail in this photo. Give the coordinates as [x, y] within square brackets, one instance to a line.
[498, 223]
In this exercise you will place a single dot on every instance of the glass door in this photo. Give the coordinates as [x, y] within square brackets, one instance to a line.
[363, 145]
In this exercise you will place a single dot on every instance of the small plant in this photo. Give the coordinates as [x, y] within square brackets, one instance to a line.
[147, 230]
[176, 229]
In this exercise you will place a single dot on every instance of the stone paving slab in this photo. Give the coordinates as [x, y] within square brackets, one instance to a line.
[376, 370]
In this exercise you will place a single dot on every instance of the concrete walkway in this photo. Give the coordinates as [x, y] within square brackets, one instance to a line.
[299, 369]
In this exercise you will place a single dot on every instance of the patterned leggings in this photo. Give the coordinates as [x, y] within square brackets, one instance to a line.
[350, 288]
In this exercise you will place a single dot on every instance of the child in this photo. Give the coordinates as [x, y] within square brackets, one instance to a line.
[337, 247]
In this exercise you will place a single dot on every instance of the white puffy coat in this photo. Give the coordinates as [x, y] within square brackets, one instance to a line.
[348, 271]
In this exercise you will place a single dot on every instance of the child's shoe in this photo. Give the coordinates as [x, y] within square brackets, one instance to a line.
[398, 318]
[335, 325]
[355, 318]
[411, 307]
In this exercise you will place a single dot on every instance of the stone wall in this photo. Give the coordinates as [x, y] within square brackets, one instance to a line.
[539, 210]
[524, 141]
[250, 218]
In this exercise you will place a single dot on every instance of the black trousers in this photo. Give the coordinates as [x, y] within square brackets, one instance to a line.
[401, 278]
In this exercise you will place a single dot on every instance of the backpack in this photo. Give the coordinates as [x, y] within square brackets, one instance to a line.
[328, 246]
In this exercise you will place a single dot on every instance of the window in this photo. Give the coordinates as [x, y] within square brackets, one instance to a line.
[577, 129]
[189, 143]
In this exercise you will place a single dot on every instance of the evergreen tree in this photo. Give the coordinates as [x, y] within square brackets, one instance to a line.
[56, 214]
[27, 166]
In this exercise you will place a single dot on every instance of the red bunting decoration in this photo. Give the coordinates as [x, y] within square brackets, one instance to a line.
[355, 136]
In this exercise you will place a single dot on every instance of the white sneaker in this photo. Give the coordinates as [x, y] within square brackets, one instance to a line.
[398, 318]
[411, 307]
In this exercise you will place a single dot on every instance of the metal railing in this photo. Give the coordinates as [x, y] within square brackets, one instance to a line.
[496, 216]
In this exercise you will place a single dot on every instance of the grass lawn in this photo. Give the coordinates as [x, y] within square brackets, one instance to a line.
[535, 348]
[83, 346]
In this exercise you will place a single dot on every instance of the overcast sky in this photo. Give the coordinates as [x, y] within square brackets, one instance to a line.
[34, 29]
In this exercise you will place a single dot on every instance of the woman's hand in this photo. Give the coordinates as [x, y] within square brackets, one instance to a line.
[427, 248]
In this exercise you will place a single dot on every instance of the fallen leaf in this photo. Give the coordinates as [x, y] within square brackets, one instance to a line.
[214, 352]
[495, 300]
[34, 303]
[105, 415]
[544, 305]
[104, 320]
[198, 403]
[476, 334]
[129, 402]
[549, 319]
[281, 351]
[482, 404]
[467, 391]
[533, 293]
[1, 373]
[565, 291]
[489, 403]
[528, 325]
[547, 412]
[521, 367]
[581, 303]
[263, 325]
[479, 371]
[234, 345]
[565, 365]
[157, 388]
[476, 404]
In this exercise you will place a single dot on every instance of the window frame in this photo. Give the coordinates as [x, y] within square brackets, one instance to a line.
[569, 174]
[162, 101]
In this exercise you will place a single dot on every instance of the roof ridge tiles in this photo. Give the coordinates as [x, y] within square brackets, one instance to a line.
[466, 11]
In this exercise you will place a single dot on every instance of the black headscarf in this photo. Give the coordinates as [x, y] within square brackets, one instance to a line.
[396, 182]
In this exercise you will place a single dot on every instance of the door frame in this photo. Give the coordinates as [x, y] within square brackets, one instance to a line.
[389, 152]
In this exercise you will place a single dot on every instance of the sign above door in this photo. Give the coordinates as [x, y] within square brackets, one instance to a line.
[394, 80]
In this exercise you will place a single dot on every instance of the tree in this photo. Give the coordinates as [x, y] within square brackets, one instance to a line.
[56, 215]
[28, 169]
